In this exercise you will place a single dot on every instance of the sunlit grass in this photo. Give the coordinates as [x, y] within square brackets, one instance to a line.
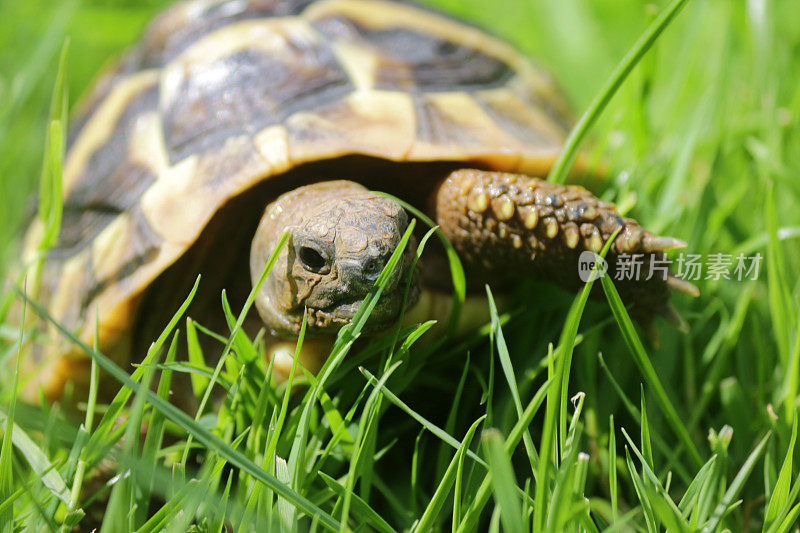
[553, 416]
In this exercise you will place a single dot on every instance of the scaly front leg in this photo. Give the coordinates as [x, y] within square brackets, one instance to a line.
[505, 226]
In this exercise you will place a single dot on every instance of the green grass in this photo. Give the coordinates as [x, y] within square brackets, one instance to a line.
[553, 416]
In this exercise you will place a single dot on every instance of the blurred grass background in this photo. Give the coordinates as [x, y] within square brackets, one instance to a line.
[698, 140]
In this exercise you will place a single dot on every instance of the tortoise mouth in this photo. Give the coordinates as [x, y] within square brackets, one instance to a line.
[386, 311]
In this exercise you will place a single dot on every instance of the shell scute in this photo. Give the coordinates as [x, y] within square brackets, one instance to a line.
[181, 25]
[126, 245]
[91, 210]
[108, 184]
[372, 123]
[253, 82]
[408, 59]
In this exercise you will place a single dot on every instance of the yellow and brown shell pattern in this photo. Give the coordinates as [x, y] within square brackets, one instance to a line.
[221, 95]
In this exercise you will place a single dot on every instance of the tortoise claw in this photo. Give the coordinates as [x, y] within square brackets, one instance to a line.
[681, 285]
[655, 243]
[671, 315]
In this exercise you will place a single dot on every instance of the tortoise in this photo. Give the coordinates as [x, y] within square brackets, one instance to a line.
[236, 120]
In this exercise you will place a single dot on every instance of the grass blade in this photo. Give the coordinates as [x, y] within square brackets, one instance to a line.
[456, 268]
[561, 168]
[195, 356]
[508, 371]
[778, 288]
[646, 367]
[360, 507]
[367, 424]
[6, 479]
[660, 501]
[612, 468]
[482, 495]
[736, 485]
[428, 518]
[504, 485]
[555, 421]
[424, 422]
[779, 502]
[641, 493]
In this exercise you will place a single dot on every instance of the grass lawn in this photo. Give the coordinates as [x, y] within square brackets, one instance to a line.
[552, 417]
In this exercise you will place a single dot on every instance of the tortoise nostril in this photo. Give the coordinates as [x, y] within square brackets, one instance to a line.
[312, 260]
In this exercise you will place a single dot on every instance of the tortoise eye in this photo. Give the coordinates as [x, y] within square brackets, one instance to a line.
[312, 260]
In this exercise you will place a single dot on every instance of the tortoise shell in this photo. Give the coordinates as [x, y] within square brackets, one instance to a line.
[224, 95]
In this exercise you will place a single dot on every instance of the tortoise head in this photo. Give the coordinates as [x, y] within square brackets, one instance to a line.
[341, 237]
